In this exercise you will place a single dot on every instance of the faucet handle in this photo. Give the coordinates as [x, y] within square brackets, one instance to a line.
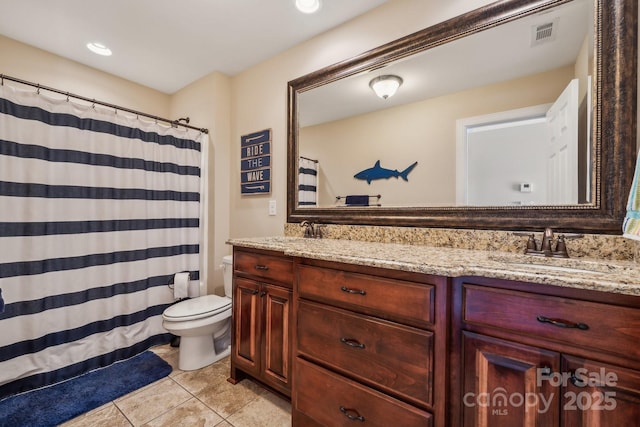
[561, 248]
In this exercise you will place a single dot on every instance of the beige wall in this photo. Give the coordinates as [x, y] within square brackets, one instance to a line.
[207, 102]
[259, 96]
[424, 132]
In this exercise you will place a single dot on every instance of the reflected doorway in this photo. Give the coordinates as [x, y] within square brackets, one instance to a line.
[528, 156]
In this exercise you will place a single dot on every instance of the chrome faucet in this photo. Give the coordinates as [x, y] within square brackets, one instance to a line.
[549, 246]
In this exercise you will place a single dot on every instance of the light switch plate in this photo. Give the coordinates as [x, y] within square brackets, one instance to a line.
[272, 207]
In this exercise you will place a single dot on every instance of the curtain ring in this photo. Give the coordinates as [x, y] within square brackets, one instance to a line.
[2, 77]
[93, 104]
[38, 89]
[67, 96]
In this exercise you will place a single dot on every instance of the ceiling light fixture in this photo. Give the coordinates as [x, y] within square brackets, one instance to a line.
[99, 48]
[385, 86]
[308, 6]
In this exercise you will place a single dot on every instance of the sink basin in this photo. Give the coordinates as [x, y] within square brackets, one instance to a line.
[546, 267]
[571, 265]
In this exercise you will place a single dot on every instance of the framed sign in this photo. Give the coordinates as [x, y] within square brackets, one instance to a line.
[255, 163]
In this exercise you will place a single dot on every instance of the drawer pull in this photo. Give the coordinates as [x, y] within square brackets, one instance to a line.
[352, 343]
[261, 267]
[353, 291]
[563, 323]
[352, 414]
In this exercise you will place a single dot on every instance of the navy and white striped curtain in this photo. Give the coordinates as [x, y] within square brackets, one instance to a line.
[98, 211]
[307, 182]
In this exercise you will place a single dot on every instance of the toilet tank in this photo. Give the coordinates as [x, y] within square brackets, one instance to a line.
[227, 271]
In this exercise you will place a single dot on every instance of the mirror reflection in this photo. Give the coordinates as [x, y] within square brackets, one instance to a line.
[498, 118]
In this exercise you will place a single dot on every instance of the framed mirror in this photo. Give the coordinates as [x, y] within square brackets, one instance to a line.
[515, 116]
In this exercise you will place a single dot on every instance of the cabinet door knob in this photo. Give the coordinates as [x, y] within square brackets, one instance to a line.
[351, 343]
[352, 414]
[353, 291]
[563, 323]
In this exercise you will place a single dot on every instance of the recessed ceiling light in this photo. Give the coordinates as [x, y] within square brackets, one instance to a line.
[308, 6]
[99, 48]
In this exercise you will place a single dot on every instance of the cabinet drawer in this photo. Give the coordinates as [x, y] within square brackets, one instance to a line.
[394, 358]
[610, 328]
[271, 267]
[332, 400]
[398, 300]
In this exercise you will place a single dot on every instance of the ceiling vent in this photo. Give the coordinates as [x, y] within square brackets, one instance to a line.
[543, 33]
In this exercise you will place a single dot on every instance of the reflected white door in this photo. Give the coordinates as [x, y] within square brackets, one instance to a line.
[562, 153]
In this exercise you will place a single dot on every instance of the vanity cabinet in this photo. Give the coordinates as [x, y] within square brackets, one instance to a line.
[370, 346]
[538, 355]
[262, 318]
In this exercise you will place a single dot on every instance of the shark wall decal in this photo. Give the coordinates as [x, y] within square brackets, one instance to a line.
[378, 172]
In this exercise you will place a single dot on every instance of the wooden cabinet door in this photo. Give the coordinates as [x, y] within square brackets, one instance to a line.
[502, 386]
[247, 325]
[599, 395]
[276, 357]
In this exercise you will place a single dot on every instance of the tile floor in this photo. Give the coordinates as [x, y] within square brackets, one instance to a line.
[200, 398]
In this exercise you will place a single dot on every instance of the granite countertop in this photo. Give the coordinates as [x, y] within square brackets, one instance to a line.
[621, 277]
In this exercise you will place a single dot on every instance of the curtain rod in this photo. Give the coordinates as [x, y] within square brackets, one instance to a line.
[4, 77]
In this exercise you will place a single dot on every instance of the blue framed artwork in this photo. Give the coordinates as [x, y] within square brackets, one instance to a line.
[255, 163]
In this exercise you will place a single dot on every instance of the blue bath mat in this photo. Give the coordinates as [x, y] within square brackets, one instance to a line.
[61, 402]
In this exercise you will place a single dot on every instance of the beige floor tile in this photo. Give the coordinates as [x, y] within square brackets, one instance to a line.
[163, 349]
[189, 414]
[171, 401]
[152, 401]
[226, 398]
[170, 355]
[105, 416]
[196, 381]
[267, 410]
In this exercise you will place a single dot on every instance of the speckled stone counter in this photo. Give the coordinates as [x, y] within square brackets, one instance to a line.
[600, 246]
[621, 277]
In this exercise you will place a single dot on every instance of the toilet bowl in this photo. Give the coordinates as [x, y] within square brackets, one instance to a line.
[203, 325]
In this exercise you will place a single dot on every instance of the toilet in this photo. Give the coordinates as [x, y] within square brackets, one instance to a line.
[203, 325]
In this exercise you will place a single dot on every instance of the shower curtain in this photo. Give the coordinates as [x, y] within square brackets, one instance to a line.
[98, 211]
[307, 182]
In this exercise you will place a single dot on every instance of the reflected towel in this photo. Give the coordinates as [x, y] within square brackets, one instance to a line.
[631, 226]
[357, 201]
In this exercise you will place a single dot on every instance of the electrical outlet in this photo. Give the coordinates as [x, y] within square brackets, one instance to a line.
[272, 207]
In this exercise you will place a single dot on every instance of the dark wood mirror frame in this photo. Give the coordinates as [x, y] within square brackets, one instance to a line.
[614, 127]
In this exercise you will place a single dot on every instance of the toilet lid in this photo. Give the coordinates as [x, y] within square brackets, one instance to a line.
[196, 308]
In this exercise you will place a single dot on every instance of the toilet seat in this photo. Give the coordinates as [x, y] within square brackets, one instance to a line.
[197, 308]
